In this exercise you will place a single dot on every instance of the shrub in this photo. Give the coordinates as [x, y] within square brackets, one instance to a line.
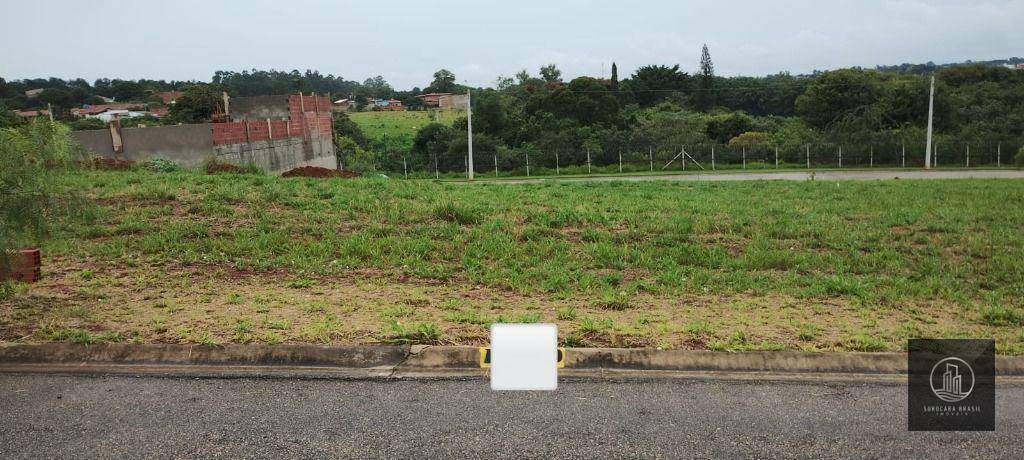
[31, 201]
[161, 165]
[1018, 159]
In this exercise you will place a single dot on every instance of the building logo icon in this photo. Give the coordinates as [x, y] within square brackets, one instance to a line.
[952, 379]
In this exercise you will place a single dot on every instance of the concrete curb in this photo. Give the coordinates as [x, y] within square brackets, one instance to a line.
[419, 361]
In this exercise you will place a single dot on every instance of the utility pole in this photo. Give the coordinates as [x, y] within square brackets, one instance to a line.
[928, 143]
[469, 125]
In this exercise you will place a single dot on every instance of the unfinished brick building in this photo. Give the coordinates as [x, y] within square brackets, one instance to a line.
[277, 133]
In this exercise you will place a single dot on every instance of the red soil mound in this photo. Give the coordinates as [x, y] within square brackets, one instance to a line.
[318, 172]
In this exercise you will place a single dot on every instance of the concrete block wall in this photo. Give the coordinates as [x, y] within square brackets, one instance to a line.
[279, 155]
[277, 145]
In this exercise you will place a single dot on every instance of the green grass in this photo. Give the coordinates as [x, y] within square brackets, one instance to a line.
[400, 127]
[811, 265]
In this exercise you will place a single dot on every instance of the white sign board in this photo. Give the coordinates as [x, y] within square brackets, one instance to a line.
[524, 357]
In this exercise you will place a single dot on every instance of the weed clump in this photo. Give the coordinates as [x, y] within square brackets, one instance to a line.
[449, 211]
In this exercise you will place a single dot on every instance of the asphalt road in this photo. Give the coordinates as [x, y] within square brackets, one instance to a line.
[825, 175]
[54, 416]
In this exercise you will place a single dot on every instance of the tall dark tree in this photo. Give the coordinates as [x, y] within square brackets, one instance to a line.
[706, 98]
[444, 82]
[615, 76]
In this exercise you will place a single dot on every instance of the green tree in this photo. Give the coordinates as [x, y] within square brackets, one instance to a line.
[8, 118]
[723, 127]
[706, 97]
[353, 157]
[444, 82]
[841, 98]
[615, 76]
[31, 201]
[432, 141]
[654, 83]
[584, 99]
[551, 74]
[197, 104]
[345, 127]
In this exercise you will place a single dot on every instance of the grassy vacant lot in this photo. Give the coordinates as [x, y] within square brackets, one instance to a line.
[185, 257]
[401, 127]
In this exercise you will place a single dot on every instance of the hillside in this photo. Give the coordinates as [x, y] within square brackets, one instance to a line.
[400, 127]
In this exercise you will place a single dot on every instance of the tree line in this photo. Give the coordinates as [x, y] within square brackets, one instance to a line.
[655, 105]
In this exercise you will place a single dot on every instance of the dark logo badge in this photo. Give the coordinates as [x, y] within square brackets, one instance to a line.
[951, 385]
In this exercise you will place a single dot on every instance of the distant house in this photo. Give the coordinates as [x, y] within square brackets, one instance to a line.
[33, 92]
[386, 105]
[32, 113]
[90, 111]
[169, 97]
[343, 105]
[159, 112]
[443, 101]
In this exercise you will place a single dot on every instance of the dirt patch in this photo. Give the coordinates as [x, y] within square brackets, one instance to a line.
[318, 172]
[215, 168]
[108, 164]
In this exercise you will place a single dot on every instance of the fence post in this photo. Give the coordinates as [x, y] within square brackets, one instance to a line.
[588, 160]
[437, 173]
[405, 167]
[871, 157]
[935, 157]
[999, 154]
[620, 161]
[903, 155]
[776, 158]
[527, 165]
[495, 164]
[682, 156]
[712, 157]
[808, 146]
[840, 155]
[558, 172]
[968, 157]
[744, 157]
[650, 155]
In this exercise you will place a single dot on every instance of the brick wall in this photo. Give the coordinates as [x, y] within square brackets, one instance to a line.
[308, 115]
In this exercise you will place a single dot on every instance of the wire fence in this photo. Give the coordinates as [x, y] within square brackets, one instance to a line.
[700, 157]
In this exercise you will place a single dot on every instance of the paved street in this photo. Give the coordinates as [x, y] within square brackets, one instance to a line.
[825, 175]
[117, 417]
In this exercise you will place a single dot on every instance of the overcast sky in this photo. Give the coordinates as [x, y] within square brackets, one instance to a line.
[406, 41]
